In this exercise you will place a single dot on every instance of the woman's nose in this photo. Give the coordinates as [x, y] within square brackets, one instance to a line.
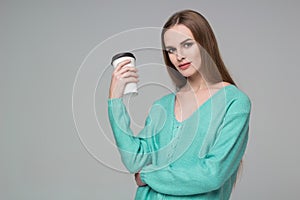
[179, 56]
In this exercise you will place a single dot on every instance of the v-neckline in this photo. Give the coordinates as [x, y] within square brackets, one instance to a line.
[199, 108]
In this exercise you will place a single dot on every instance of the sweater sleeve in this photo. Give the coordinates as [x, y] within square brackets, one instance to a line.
[135, 150]
[210, 172]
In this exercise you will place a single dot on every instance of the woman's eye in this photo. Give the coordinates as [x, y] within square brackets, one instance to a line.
[170, 50]
[188, 44]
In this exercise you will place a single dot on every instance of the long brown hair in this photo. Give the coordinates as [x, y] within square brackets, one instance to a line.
[209, 50]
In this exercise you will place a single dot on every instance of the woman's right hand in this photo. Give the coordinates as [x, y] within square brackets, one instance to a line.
[120, 77]
[138, 180]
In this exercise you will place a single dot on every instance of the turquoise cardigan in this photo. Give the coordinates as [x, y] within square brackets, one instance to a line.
[197, 158]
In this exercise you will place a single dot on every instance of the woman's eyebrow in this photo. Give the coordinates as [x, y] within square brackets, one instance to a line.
[185, 40]
[180, 42]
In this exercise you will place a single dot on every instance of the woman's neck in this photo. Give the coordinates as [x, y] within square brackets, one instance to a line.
[195, 83]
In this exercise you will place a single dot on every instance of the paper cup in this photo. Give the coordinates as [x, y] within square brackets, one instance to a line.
[116, 59]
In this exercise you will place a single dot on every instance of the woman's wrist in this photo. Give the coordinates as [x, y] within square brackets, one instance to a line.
[112, 96]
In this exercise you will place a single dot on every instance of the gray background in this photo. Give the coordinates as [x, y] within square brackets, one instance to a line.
[43, 44]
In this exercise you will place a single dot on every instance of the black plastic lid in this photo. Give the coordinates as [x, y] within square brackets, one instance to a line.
[120, 55]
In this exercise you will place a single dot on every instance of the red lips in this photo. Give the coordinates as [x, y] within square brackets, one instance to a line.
[184, 66]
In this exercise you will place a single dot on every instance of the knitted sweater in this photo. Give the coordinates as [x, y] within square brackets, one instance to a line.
[197, 158]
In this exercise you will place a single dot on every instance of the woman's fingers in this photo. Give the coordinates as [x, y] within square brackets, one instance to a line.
[122, 64]
[138, 180]
[129, 74]
[126, 72]
[121, 76]
[126, 69]
[131, 80]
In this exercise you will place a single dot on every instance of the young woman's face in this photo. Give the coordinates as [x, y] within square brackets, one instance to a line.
[183, 50]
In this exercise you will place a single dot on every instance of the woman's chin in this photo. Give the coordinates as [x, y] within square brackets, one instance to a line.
[187, 74]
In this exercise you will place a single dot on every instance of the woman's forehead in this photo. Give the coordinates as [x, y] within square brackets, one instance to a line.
[177, 34]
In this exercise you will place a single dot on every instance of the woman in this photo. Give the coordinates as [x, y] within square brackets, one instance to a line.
[193, 141]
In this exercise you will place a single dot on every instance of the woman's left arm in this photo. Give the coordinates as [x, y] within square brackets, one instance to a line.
[211, 171]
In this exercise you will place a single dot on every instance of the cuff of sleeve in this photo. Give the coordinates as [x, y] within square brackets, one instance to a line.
[143, 177]
[113, 101]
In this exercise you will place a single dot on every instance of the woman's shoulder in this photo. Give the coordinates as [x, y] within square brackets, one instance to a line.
[161, 106]
[165, 99]
[237, 98]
